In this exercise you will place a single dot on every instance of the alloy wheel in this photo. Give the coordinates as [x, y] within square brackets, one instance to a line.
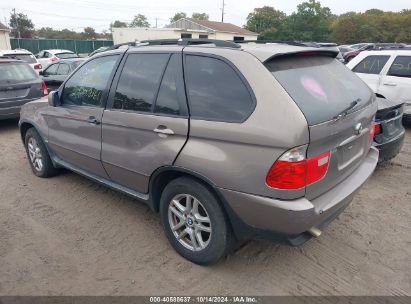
[35, 154]
[189, 222]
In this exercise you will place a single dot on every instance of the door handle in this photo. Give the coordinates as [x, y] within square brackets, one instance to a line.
[390, 84]
[92, 120]
[163, 130]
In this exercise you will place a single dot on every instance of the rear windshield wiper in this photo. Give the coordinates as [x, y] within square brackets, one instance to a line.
[349, 109]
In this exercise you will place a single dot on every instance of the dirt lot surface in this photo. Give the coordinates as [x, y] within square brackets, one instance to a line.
[70, 236]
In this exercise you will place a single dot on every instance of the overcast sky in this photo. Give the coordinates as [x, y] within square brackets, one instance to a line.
[77, 14]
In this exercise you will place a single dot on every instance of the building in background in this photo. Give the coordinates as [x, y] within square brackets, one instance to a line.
[185, 28]
[4, 37]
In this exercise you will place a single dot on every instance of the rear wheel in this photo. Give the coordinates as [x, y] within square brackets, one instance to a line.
[38, 156]
[194, 221]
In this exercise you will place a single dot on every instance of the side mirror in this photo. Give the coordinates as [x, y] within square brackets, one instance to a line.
[54, 98]
[41, 73]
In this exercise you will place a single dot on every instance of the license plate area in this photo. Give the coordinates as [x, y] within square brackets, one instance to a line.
[350, 152]
[7, 94]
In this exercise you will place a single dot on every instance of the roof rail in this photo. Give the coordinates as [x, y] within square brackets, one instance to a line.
[291, 42]
[184, 42]
[190, 41]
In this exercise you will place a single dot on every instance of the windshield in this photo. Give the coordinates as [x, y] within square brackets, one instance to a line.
[14, 72]
[24, 57]
[321, 86]
[66, 55]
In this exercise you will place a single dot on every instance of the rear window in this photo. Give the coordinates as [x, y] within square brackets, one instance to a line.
[66, 55]
[25, 57]
[321, 86]
[16, 73]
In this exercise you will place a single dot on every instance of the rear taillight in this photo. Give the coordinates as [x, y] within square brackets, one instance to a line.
[37, 66]
[44, 89]
[375, 129]
[294, 171]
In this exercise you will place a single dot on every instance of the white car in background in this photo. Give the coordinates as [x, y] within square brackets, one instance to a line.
[24, 55]
[387, 73]
[47, 57]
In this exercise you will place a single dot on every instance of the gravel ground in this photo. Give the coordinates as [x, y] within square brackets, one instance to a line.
[70, 236]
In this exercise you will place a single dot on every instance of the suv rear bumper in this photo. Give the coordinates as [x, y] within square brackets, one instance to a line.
[10, 112]
[297, 216]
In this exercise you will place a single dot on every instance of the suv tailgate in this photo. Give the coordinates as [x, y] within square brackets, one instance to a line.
[339, 109]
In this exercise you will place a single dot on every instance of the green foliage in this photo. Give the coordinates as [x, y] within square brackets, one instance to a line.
[178, 16]
[311, 22]
[88, 33]
[372, 26]
[267, 21]
[314, 22]
[200, 16]
[139, 21]
[20, 23]
[117, 23]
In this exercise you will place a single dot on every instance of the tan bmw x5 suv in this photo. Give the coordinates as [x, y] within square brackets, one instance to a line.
[226, 141]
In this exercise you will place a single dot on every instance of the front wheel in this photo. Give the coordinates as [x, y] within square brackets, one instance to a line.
[38, 156]
[194, 221]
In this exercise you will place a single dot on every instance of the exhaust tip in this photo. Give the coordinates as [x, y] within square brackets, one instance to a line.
[315, 232]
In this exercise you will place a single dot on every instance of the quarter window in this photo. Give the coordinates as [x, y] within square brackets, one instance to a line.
[86, 86]
[216, 91]
[401, 67]
[139, 81]
[371, 64]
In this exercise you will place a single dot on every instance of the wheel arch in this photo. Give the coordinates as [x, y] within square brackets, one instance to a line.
[164, 175]
[24, 126]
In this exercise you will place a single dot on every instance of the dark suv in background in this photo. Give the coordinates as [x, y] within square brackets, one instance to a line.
[225, 142]
[19, 84]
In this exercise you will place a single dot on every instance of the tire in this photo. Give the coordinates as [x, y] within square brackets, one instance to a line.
[38, 156]
[213, 239]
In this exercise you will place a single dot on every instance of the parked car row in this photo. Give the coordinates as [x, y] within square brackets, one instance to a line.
[352, 51]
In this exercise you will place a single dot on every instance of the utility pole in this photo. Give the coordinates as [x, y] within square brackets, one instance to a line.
[156, 22]
[17, 23]
[222, 12]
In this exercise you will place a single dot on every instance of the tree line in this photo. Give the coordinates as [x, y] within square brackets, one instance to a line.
[314, 22]
[310, 22]
[23, 27]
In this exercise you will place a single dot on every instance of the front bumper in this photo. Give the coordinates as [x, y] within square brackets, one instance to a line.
[295, 217]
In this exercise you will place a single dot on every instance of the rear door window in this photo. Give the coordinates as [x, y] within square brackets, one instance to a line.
[401, 67]
[216, 91]
[139, 82]
[371, 64]
[171, 97]
[320, 86]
